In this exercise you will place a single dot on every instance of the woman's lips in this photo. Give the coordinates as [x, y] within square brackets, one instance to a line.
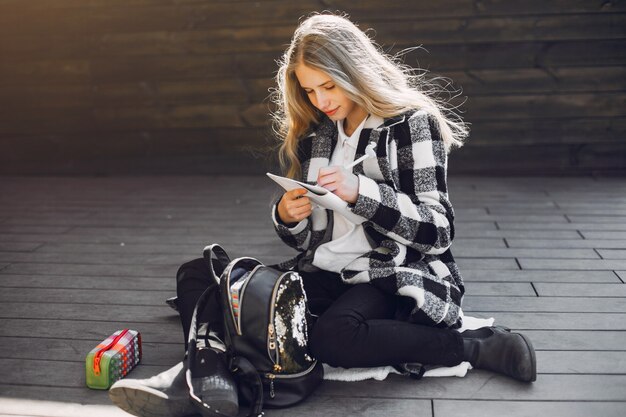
[330, 113]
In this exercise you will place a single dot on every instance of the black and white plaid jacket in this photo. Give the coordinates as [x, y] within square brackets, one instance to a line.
[409, 219]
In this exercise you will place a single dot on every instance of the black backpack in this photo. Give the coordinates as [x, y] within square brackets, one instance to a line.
[266, 324]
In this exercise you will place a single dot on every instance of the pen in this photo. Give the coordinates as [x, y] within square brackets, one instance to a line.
[361, 159]
[370, 151]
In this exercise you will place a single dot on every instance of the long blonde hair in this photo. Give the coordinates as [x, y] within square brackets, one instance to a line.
[379, 83]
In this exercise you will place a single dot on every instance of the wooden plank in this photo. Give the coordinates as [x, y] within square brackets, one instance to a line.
[539, 276]
[157, 354]
[462, 232]
[144, 311]
[473, 408]
[321, 406]
[543, 160]
[477, 252]
[133, 143]
[97, 258]
[566, 211]
[580, 290]
[117, 254]
[399, 7]
[482, 242]
[36, 394]
[272, 38]
[250, 65]
[485, 263]
[48, 230]
[580, 130]
[475, 304]
[25, 408]
[572, 264]
[562, 321]
[199, 230]
[136, 270]
[57, 373]
[590, 234]
[138, 15]
[489, 55]
[515, 289]
[125, 118]
[610, 246]
[560, 340]
[19, 246]
[268, 247]
[163, 332]
[544, 106]
[198, 241]
[597, 219]
[490, 29]
[613, 253]
[168, 267]
[540, 80]
[163, 222]
[81, 296]
[317, 406]
[581, 362]
[590, 209]
[224, 90]
[485, 385]
[86, 282]
[563, 226]
[530, 218]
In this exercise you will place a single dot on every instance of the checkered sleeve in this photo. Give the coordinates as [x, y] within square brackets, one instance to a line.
[296, 235]
[415, 211]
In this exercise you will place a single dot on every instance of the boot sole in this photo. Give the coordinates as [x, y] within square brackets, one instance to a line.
[146, 402]
[533, 358]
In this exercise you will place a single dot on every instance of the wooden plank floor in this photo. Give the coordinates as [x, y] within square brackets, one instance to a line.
[82, 257]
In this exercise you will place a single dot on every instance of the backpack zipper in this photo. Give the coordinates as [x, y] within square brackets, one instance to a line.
[272, 343]
[228, 271]
[242, 291]
[272, 377]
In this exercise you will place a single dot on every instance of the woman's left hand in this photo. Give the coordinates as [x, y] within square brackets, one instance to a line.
[339, 181]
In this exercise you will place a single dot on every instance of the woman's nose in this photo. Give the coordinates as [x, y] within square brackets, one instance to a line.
[322, 100]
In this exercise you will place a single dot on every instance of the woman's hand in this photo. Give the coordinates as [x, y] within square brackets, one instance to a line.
[293, 207]
[339, 181]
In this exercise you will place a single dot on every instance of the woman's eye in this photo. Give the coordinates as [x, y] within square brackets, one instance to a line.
[308, 92]
[330, 87]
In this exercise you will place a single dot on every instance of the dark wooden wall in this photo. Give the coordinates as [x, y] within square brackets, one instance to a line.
[178, 86]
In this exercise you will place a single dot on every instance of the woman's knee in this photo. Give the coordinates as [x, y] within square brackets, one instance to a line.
[332, 338]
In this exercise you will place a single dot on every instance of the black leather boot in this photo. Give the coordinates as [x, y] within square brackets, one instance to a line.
[497, 349]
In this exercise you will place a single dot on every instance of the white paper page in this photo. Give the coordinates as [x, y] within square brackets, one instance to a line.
[320, 196]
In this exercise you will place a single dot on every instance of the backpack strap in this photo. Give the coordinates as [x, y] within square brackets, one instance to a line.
[247, 374]
[221, 261]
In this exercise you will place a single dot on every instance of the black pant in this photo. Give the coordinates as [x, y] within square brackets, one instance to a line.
[355, 326]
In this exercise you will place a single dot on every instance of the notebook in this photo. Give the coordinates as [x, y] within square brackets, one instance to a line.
[320, 196]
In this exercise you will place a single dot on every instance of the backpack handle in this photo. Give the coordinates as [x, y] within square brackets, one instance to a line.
[222, 259]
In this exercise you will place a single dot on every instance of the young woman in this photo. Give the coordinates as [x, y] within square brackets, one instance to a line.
[386, 289]
[383, 285]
